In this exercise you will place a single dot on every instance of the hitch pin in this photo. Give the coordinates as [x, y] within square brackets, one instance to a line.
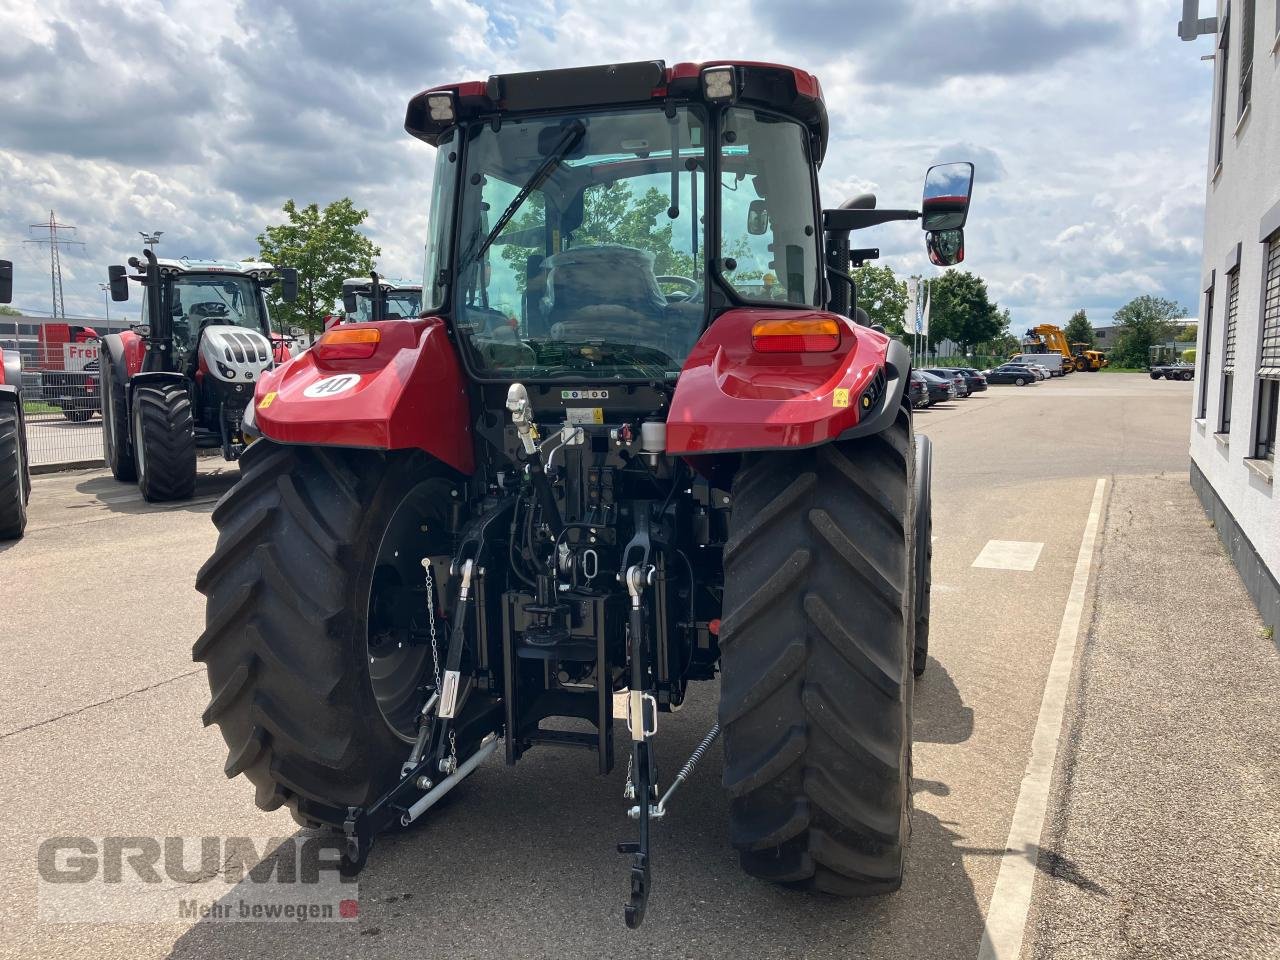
[660, 808]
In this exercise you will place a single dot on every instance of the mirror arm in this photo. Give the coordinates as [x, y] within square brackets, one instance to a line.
[859, 219]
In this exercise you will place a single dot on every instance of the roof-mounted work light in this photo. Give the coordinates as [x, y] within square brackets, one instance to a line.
[719, 84]
[441, 107]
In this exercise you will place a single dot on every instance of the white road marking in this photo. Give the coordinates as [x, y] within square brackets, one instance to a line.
[1010, 901]
[1009, 555]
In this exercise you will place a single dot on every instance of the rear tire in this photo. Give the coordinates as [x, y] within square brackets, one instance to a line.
[15, 480]
[815, 700]
[1018, 382]
[287, 638]
[115, 426]
[923, 551]
[164, 442]
[1188, 375]
[1155, 374]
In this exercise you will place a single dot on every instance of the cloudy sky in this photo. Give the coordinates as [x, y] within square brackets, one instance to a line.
[1088, 121]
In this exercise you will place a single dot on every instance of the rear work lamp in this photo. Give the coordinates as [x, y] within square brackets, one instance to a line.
[719, 84]
[801, 335]
[353, 343]
[441, 108]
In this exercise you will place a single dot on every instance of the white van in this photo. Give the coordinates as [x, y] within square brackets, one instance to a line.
[1051, 361]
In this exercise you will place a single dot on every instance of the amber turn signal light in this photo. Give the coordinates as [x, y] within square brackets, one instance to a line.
[801, 335]
[352, 343]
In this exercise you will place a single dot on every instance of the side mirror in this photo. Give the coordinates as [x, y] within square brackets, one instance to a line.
[6, 281]
[947, 188]
[349, 302]
[946, 247]
[757, 218]
[142, 329]
[119, 283]
[288, 284]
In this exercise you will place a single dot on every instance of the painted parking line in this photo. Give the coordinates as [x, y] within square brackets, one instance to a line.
[1011, 900]
[1009, 555]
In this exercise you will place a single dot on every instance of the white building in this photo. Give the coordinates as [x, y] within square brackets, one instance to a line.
[1233, 435]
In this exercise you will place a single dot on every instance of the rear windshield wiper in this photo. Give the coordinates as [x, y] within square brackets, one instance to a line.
[571, 137]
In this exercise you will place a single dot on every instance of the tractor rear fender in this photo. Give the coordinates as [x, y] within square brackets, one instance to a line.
[11, 368]
[409, 393]
[9, 395]
[731, 398]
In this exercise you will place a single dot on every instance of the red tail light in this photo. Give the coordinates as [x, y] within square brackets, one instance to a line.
[348, 343]
[801, 335]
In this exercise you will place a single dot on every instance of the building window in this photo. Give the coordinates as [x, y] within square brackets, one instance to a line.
[1269, 356]
[1229, 349]
[1224, 59]
[1246, 55]
[1202, 405]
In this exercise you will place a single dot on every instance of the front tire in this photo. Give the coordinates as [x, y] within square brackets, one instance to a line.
[292, 623]
[815, 700]
[164, 442]
[15, 480]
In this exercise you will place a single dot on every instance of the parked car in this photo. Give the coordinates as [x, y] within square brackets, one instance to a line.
[957, 378]
[976, 381]
[1015, 373]
[1040, 370]
[1055, 363]
[940, 390]
[919, 390]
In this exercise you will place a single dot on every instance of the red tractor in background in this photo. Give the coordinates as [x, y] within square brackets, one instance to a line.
[610, 458]
[181, 379]
[15, 469]
[68, 361]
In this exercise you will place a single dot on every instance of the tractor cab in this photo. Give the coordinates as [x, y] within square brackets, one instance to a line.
[380, 298]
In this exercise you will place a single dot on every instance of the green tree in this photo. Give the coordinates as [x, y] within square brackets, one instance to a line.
[1079, 329]
[8, 311]
[883, 296]
[961, 310]
[1187, 334]
[325, 247]
[1142, 322]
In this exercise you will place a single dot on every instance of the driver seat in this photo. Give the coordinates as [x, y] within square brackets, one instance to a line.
[606, 292]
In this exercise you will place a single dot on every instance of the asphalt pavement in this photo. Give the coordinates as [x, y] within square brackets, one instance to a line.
[1160, 832]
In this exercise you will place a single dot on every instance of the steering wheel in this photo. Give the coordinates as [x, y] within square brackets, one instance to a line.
[693, 285]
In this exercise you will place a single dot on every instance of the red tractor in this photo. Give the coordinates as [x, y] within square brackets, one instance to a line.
[182, 378]
[15, 470]
[609, 459]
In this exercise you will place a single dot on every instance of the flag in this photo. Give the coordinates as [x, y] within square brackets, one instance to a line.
[924, 324]
[910, 316]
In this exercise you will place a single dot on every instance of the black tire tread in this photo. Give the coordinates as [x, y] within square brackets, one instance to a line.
[815, 641]
[286, 691]
[169, 441]
[14, 485]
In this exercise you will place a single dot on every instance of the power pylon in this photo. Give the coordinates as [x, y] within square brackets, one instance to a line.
[55, 259]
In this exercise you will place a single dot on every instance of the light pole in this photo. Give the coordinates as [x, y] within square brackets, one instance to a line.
[152, 238]
[106, 300]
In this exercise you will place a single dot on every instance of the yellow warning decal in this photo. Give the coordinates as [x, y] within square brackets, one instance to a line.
[266, 401]
[841, 397]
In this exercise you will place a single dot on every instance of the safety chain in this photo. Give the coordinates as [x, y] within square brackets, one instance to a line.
[452, 762]
[431, 619]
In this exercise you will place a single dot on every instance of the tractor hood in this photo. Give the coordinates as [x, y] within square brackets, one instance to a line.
[234, 354]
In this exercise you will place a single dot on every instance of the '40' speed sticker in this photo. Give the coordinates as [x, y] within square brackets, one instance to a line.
[332, 386]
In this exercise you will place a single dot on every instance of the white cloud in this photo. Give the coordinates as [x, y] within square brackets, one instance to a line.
[1089, 128]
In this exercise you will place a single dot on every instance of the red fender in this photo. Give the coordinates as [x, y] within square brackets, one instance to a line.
[731, 398]
[410, 394]
[135, 349]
